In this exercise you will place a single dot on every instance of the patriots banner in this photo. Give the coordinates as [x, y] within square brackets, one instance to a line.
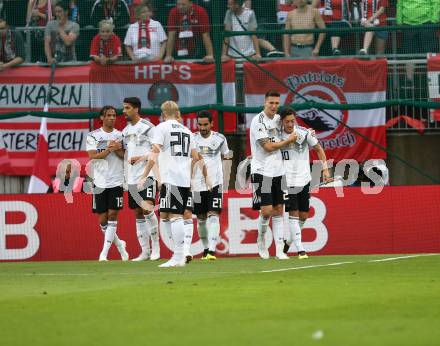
[434, 83]
[341, 81]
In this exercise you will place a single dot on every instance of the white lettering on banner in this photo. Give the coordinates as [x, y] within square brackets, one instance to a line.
[238, 226]
[161, 71]
[61, 140]
[27, 229]
[31, 95]
[317, 223]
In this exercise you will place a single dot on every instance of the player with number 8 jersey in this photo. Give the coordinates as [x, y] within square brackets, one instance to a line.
[175, 144]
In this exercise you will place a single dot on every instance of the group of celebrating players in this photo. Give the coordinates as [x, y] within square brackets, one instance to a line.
[188, 169]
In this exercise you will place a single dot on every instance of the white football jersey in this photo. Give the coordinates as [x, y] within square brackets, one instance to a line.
[296, 157]
[108, 172]
[175, 159]
[269, 164]
[137, 142]
[211, 148]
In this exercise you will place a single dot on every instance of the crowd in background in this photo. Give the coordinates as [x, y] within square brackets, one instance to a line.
[150, 30]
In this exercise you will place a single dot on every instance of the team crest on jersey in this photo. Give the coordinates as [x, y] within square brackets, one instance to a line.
[324, 125]
[162, 91]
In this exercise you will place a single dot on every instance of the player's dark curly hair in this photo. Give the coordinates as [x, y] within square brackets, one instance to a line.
[204, 114]
[105, 109]
[287, 111]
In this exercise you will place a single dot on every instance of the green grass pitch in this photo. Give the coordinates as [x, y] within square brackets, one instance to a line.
[328, 300]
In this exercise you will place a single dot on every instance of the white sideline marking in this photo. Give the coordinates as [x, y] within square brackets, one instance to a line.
[402, 257]
[306, 267]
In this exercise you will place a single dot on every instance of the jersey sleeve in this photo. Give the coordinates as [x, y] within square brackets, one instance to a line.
[91, 143]
[224, 148]
[192, 144]
[259, 131]
[311, 139]
[158, 135]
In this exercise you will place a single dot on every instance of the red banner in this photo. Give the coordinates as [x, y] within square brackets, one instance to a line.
[24, 89]
[341, 81]
[89, 87]
[434, 83]
[45, 228]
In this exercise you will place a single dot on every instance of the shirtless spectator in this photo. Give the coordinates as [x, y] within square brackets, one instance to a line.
[303, 45]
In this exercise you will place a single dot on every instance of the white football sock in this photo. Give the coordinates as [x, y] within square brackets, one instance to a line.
[203, 233]
[278, 232]
[109, 237]
[294, 226]
[165, 227]
[178, 234]
[116, 240]
[152, 225]
[213, 226]
[189, 230]
[301, 223]
[142, 235]
[263, 223]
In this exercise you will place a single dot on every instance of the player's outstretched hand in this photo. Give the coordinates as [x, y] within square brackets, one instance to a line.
[326, 177]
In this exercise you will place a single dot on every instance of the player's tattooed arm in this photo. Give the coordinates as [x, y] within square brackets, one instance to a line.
[270, 146]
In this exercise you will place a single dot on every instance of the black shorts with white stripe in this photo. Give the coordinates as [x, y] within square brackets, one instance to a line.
[174, 199]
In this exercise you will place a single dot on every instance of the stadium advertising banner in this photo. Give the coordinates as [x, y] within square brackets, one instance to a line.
[341, 81]
[434, 83]
[44, 229]
[188, 84]
[85, 88]
[24, 89]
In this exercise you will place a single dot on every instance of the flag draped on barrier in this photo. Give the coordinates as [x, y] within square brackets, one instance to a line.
[341, 81]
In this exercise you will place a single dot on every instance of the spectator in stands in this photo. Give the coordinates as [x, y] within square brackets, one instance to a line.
[74, 11]
[420, 13]
[106, 46]
[60, 36]
[373, 14]
[239, 18]
[302, 45]
[271, 51]
[188, 33]
[38, 14]
[135, 3]
[145, 39]
[336, 14]
[11, 47]
[116, 11]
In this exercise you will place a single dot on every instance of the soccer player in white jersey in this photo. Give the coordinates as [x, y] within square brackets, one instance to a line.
[298, 177]
[213, 147]
[104, 147]
[137, 142]
[175, 143]
[267, 173]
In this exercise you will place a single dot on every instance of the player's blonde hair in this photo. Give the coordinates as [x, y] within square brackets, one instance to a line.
[170, 109]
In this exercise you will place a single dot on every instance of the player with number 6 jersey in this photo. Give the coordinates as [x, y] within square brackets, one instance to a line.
[104, 147]
[137, 141]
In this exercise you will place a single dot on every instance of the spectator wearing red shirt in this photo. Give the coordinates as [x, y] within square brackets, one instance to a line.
[336, 14]
[188, 27]
[106, 46]
[373, 14]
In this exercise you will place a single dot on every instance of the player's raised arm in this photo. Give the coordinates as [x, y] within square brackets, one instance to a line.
[270, 146]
